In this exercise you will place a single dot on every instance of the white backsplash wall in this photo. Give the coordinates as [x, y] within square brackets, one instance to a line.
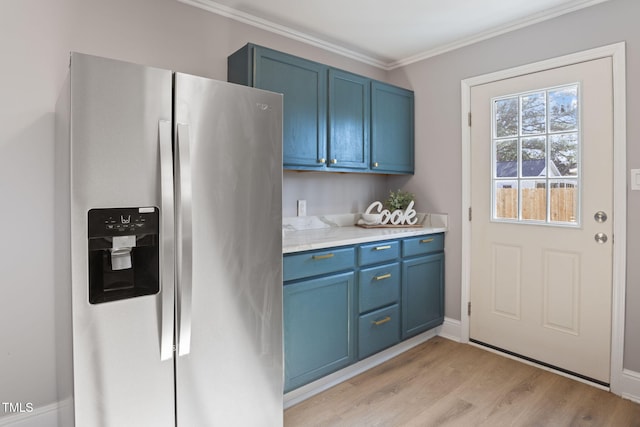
[330, 192]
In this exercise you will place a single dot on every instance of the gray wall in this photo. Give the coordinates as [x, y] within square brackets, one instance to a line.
[436, 82]
[331, 193]
[35, 38]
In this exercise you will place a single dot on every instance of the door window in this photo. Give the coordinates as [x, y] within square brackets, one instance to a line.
[536, 156]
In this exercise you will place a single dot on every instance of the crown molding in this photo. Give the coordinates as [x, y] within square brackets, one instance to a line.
[494, 32]
[249, 19]
[246, 18]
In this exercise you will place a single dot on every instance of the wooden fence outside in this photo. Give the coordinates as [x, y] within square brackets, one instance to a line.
[563, 204]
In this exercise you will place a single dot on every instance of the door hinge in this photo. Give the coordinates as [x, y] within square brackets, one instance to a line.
[469, 213]
[469, 118]
[469, 308]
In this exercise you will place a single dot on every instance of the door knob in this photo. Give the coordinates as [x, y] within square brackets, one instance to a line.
[600, 238]
[600, 216]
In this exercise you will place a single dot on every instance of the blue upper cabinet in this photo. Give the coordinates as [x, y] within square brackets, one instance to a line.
[304, 86]
[392, 129]
[349, 119]
[333, 120]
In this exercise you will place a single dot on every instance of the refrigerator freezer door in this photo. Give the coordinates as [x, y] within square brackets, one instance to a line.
[233, 373]
[119, 377]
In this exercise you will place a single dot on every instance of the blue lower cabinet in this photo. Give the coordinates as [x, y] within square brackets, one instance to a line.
[343, 304]
[318, 327]
[422, 294]
[378, 330]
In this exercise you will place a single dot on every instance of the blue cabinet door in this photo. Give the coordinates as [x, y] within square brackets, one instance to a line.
[392, 129]
[422, 294]
[318, 327]
[304, 86]
[349, 118]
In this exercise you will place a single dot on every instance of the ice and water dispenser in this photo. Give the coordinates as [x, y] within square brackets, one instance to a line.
[124, 253]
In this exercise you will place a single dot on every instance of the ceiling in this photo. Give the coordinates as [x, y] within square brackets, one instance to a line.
[390, 34]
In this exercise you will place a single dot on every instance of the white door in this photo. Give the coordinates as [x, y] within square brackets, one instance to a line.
[541, 232]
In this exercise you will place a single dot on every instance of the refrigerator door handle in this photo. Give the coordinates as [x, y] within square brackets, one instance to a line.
[167, 275]
[185, 241]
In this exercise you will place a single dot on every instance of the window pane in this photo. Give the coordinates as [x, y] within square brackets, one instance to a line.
[534, 116]
[564, 154]
[536, 156]
[564, 200]
[506, 200]
[533, 156]
[506, 117]
[534, 200]
[563, 109]
[506, 159]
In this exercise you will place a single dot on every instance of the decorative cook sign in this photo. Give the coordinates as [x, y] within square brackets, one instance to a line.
[397, 217]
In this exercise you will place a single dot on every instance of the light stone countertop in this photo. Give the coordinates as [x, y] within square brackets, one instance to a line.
[320, 232]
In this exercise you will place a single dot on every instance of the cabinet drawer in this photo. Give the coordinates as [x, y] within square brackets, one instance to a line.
[423, 244]
[314, 263]
[378, 330]
[374, 253]
[378, 286]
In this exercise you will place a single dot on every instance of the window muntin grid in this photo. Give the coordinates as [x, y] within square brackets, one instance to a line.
[536, 155]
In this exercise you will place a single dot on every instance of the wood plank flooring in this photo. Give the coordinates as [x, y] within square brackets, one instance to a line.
[444, 383]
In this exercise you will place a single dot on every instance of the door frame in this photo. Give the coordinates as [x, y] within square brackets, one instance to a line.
[617, 53]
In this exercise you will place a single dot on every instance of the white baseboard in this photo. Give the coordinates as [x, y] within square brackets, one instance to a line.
[44, 416]
[451, 329]
[630, 385]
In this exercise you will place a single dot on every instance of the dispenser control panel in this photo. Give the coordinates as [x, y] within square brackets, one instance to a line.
[123, 221]
[124, 253]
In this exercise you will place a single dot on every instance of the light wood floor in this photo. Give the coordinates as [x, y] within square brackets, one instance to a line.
[444, 383]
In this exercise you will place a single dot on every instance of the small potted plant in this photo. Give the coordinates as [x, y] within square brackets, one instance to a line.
[398, 200]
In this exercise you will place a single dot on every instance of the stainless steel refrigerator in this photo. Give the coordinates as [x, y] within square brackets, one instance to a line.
[169, 245]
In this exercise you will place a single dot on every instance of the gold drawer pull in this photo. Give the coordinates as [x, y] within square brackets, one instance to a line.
[323, 256]
[426, 240]
[382, 248]
[384, 276]
[380, 322]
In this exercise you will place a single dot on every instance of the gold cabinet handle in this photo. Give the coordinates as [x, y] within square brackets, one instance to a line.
[380, 322]
[382, 277]
[426, 240]
[382, 248]
[322, 256]
[334, 161]
[322, 160]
